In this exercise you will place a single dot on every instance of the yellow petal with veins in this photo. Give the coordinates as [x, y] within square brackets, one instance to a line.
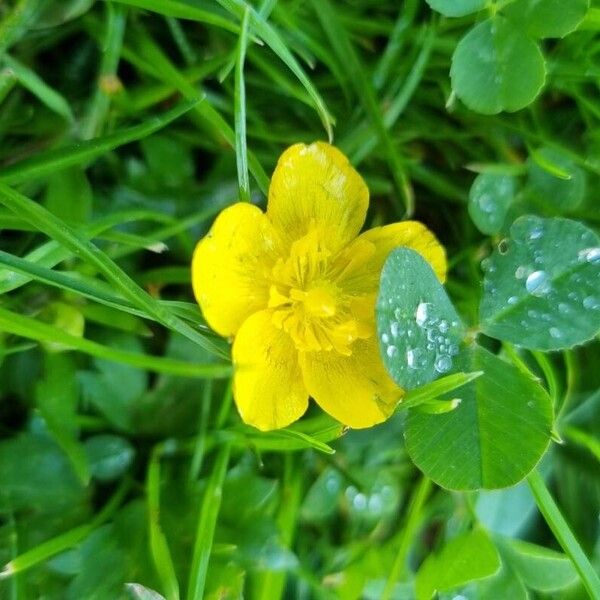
[267, 384]
[355, 389]
[315, 188]
[363, 276]
[232, 265]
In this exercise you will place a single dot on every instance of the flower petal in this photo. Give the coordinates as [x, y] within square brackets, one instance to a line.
[315, 187]
[355, 390]
[231, 265]
[362, 276]
[267, 384]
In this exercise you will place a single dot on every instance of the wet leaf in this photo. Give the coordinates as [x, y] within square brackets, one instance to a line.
[541, 294]
[419, 330]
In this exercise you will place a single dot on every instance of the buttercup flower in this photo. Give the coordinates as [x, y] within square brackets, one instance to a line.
[296, 288]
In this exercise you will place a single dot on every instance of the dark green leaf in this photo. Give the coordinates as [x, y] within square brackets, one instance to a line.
[539, 293]
[494, 438]
[468, 557]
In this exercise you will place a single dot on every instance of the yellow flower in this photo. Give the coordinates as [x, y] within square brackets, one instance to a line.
[296, 288]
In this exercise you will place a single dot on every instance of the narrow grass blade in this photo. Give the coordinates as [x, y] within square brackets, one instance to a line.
[268, 33]
[181, 10]
[563, 534]
[31, 81]
[207, 521]
[16, 324]
[48, 162]
[432, 391]
[241, 150]
[78, 244]
[159, 548]
[111, 54]
[163, 68]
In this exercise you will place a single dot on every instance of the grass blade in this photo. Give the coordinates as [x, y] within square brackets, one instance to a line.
[432, 391]
[241, 150]
[274, 41]
[161, 555]
[563, 534]
[31, 81]
[207, 521]
[13, 323]
[78, 244]
[48, 162]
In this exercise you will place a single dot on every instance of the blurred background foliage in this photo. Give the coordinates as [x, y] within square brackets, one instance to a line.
[122, 459]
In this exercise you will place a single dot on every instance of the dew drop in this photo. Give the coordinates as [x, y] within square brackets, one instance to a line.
[590, 255]
[536, 232]
[443, 326]
[521, 272]
[443, 364]
[538, 283]
[564, 308]
[360, 501]
[512, 300]
[591, 303]
[394, 329]
[385, 338]
[411, 358]
[398, 314]
[555, 332]
[422, 313]
[453, 349]
[391, 351]
[486, 203]
[503, 246]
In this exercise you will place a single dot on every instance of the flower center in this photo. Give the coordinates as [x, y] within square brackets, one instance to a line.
[308, 304]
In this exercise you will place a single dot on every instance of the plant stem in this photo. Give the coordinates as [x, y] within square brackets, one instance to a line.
[563, 534]
[413, 518]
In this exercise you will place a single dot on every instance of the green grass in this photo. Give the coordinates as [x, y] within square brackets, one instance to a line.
[125, 127]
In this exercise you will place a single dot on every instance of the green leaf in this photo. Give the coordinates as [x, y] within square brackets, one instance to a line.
[490, 198]
[556, 179]
[44, 482]
[469, 557]
[547, 18]
[457, 8]
[494, 438]
[57, 396]
[541, 285]
[496, 67]
[540, 568]
[417, 325]
[109, 456]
